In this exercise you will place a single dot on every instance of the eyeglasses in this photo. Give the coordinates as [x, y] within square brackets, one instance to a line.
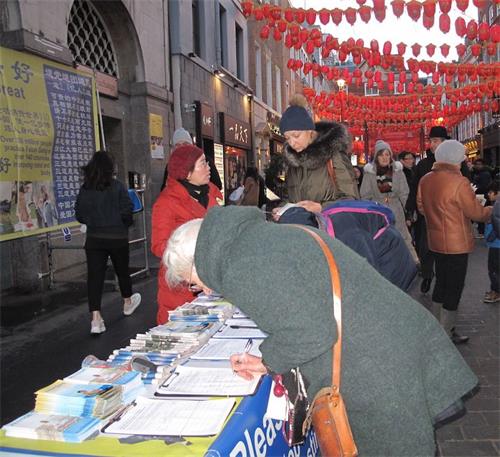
[202, 164]
[191, 286]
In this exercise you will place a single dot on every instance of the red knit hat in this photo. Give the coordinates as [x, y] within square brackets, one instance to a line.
[182, 161]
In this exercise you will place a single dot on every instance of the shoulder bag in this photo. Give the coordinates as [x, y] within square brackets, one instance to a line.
[327, 413]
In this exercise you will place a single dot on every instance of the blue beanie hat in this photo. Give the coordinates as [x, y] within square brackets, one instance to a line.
[296, 116]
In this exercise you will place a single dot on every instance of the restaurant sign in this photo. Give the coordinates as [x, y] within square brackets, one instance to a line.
[235, 132]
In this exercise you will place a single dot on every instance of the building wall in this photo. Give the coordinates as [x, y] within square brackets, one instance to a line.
[140, 36]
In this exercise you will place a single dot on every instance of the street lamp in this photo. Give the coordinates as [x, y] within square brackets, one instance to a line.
[342, 87]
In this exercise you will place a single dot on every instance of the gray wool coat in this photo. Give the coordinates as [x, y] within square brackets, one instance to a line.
[396, 200]
[399, 369]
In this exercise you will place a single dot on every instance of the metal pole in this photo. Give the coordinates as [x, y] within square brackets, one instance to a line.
[103, 140]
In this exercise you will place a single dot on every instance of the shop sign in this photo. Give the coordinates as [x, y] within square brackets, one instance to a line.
[235, 132]
[206, 120]
[273, 122]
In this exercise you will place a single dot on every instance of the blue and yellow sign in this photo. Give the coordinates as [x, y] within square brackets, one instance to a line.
[48, 131]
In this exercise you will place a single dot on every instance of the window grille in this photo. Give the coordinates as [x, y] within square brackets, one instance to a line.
[88, 39]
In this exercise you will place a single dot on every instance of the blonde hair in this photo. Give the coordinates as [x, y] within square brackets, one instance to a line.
[178, 257]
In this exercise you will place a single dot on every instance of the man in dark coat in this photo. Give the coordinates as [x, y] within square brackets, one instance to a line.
[399, 369]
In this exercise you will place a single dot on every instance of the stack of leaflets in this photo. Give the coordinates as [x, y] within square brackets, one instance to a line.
[38, 426]
[202, 311]
[85, 400]
[128, 381]
[190, 333]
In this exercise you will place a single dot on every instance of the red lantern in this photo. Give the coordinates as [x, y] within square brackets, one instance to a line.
[480, 4]
[415, 48]
[360, 2]
[448, 78]
[398, 7]
[379, 14]
[430, 49]
[435, 77]
[300, 15]
[309, 47]
[495, 33]
[379, 4]
[336, 14]
[472, 30]
[401, 48]
[289, 17]
[461, 49]
[374, 45]
[258, 14]
[414, 9]
[365, 13]
[402, 77]
[491, 49]
[247, 8]
[378, 76]
[264, 32]
[387, 48]
[281, 26]
[350, 15]
[445, 49]
[429, 8]
[324, 16]
[311, 16]
[342, 56]
[390, 77]
[445, 6]
[444, 23]
[414, 77]
[483, 31]
[276, 35]
[460, 26]
[476, 50]
[428, 22]
[366, 53]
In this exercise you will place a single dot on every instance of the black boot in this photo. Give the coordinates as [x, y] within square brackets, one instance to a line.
[426, 285]
[458, 339]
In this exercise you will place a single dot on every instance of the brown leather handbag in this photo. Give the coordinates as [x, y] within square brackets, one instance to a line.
[327, 413]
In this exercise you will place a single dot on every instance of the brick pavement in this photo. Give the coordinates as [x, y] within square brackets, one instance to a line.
[478, 432]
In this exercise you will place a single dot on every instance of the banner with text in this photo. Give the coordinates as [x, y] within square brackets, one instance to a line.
[48, 131]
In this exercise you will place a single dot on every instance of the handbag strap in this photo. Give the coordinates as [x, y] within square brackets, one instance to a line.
[331, 173]
[337, 305]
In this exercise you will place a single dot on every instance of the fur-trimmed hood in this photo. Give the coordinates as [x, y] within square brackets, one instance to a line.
[333, 138]
[370, 167]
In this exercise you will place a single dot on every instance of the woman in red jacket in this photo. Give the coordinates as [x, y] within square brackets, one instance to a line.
[187, 195]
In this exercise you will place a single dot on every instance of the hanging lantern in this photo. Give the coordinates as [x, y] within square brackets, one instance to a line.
[398, 7]
[366, 53]
[387, 48]
[342, 56]
[444, 23]
[435, 77]
[445, 49]
[379, 4]
[374, 45]
[324, 16]
[430, 48]
[472, 30]
[360, 43]
[336, 14]
[402, 77]
[414, 9]
[300, 15]
[414, 77]
[460, 26]
[445, 6]
[369, 83]
[390, 77]
[365, 14]
[368, 74]
[410, 88]
[483, 31]
[429, 8]
[289, 16]
[379, 14]
[350, 15]
[376, 58]
[311, 16]
[461, 77]
[356, 58]
[491, 49]
[448, 78]
[258, 14]
[247, 8]
[304, 35]
[401, 48]
[476, 50]
[289, 41]
[428, 22]
[360, 2]
[276, 34]
[462, 5]
[281, 25]
[415, 48]
[479, 4]
[309, 47]
[495, 33]
[264, 32]
[377, 76]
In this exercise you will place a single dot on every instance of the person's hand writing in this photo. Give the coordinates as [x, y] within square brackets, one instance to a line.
[247, 366]
[309, 205]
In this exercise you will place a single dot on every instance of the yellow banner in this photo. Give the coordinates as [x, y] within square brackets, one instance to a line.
[48, 131]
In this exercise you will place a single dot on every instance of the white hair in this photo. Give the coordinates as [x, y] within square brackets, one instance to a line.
[178, 257]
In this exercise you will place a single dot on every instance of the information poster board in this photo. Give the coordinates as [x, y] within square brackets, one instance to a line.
[219, 164]
[156, 134]
[48, 131]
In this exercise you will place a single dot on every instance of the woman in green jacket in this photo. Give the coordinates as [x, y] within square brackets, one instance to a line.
[399, 370]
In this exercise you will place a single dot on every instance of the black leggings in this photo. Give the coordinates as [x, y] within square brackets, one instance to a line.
[98, 250]
[494, 268]
[450, 279]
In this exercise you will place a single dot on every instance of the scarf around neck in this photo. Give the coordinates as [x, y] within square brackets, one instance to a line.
[384, 179]
[199, 193]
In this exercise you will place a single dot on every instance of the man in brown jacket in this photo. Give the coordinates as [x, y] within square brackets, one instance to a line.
[448, 203]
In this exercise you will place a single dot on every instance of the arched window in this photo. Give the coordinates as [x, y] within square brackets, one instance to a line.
[89, 40]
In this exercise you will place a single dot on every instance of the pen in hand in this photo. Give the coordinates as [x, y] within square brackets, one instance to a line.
[248, 346]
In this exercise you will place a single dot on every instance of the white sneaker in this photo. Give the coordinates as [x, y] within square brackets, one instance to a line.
[135, 301]
[97, 326]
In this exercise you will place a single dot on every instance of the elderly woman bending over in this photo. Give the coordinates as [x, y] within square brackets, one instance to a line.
[395, 355]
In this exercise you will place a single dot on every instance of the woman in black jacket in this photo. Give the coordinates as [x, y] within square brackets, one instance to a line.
[104, 206]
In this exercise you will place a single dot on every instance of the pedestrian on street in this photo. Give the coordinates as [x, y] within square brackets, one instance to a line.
[104, 206]
[319, 170]
[448, 203]
[492, 236]
[481, 179]
[187, 195]
[395, 356]
[384, 182]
